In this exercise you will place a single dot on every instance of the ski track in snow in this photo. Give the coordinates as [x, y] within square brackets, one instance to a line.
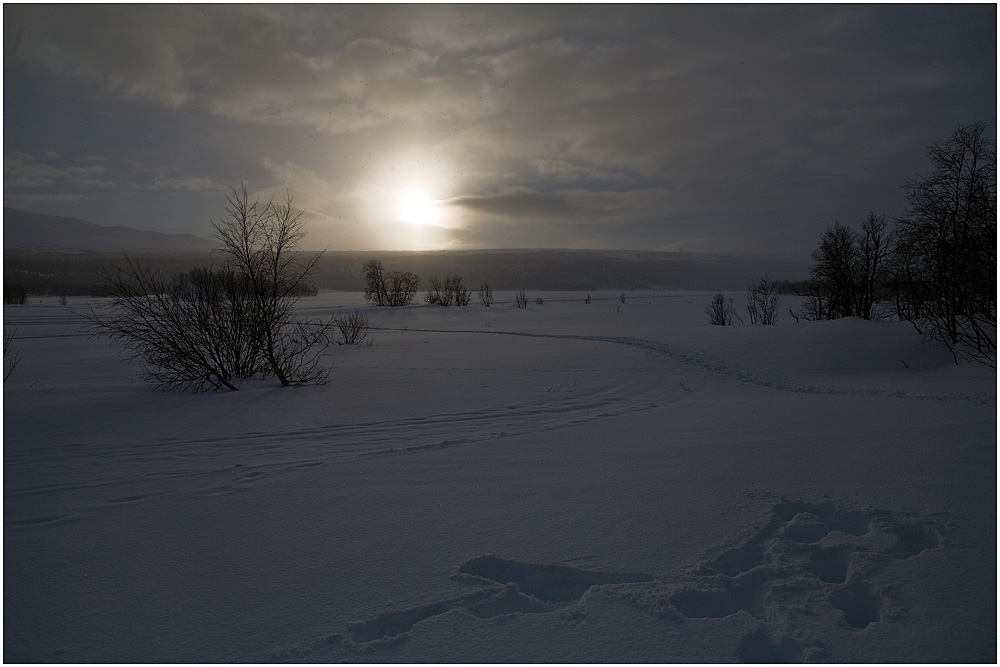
[727, 368]
[804, 566]
[204, 460]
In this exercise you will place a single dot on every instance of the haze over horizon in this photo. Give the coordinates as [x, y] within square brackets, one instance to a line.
[745, 129]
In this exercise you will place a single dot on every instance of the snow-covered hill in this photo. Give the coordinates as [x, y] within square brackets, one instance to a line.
[51, 233]
[573, 482]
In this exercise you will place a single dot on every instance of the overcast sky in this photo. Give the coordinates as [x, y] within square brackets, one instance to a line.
[736, 129]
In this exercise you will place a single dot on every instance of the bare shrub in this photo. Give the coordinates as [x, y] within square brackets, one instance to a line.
[211, 328]
[437, 294]
[185, 338]
[353, 328]
[521, 299]
[460, 293]
[762, 301]
[721, 312]
[486, 294]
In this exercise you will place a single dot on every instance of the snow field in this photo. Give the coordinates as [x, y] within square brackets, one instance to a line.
[570, 482]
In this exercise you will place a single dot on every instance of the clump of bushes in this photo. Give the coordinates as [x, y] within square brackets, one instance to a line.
[453, 292]
[383, 288]
[486, 295]
[14, 294]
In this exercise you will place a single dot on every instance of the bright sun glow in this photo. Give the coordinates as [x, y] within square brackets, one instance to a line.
[417, 209]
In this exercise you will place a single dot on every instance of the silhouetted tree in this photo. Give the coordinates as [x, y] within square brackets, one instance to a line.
[437, 294]
[833, 272]
[945, 270]
[721, 312]
[486, 295]
[388, 289]
[849, 271]
[211, 328]
[521, 299]
[452, 292]
[762, 301]
[262, 245]
[460, 294]
[871, 273]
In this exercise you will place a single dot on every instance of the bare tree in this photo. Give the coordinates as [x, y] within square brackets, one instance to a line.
[460, 293]
[521, 299]
[486, 294]
[262, 244]
[949, 238]
[376, 284]
[871, 271]
[211, 328]
[721, 312]
[814, 302]
[762, 301]
[452, 292]
[437, 294]
[834, 272]
[403, 287]
[388, 289]
[849, 271]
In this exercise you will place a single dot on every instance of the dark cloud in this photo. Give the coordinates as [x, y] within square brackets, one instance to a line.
[733, 128]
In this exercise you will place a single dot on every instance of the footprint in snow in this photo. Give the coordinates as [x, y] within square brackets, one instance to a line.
[511, 587]
[803, 558]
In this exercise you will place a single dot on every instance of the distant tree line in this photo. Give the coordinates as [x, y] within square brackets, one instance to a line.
[398, 288]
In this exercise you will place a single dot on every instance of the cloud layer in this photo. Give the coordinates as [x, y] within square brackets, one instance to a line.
[737, 128]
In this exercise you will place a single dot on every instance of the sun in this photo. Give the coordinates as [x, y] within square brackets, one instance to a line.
[416, 208]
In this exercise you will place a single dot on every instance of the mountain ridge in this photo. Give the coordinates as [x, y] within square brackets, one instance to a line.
[39, 232]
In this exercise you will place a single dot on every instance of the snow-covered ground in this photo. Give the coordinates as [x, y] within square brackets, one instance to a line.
[567, 483]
